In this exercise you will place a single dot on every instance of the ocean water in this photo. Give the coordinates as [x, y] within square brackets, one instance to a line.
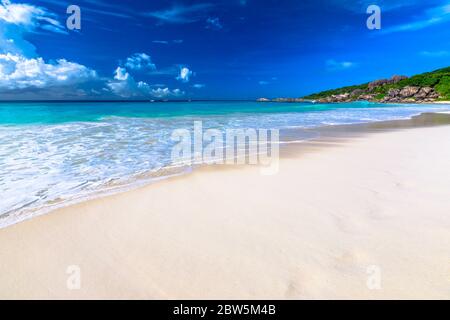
[52, 154]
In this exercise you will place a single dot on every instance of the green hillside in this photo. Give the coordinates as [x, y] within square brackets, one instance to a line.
[439, 80]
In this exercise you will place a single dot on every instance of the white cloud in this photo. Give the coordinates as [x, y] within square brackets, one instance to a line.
[140, 61]
[360, 6]
[430, 17]
[176, 41]
[166, 93]
[125, 86]
[339, 65]
[18, 19]
[435, 54]
[23, 73]
[185, 74]
[143, 86]
[28, 16]
[161, 41]
[99, 7]
[19, 72]
[213, 23]
[121, 74]
[263, 83]
[199, 85]
[20, 14]
[181, 13]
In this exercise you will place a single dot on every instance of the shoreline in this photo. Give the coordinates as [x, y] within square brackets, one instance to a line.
[441, 102]
[371, 196]
[300, 100]
[290, 139]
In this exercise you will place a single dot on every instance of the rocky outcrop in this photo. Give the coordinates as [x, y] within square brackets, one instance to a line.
[368, 97]
[396, 78]
[280, 100]
[377, 83]
[357, 92]
[408, 94]
[288, 100]
[340, 97]
[411, 94]
[393, 90]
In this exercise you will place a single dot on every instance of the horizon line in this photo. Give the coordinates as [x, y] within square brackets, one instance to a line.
[125, 100]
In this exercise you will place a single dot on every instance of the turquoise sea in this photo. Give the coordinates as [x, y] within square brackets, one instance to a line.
[54, 153]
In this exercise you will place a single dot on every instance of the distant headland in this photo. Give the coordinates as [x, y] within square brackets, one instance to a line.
[422, 88]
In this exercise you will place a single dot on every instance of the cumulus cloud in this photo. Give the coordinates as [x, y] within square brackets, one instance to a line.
[198, 85]
[185, 74]
[140, 61]
[22, 70]
[166, 93]
[125, 86]
[19, 72]
[24, 73]
[121, 74]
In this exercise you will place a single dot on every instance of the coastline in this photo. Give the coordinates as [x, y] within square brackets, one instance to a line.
[296, 100]
[290, 136]
[440, 102]
[359, 196]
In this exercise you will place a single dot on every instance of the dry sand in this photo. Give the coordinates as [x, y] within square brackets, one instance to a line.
[333, 219]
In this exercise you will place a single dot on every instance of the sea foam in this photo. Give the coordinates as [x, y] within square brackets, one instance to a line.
[44, 165]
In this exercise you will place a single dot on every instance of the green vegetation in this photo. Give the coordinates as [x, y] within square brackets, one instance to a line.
[380, 96]
[443, 87]
[438, 79]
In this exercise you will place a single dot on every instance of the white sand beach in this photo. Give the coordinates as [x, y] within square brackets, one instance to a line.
[332, 219]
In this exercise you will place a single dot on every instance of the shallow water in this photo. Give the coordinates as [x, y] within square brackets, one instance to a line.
[53, 153]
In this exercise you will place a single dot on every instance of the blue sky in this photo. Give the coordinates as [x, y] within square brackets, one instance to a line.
[230, 49]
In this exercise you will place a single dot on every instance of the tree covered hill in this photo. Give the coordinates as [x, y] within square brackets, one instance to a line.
[425, 87]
